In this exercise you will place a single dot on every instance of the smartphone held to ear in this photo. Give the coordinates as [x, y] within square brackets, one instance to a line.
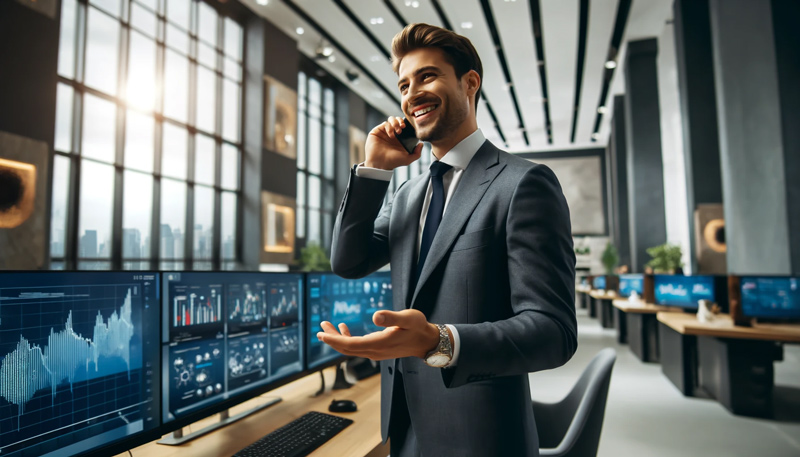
[408, 137]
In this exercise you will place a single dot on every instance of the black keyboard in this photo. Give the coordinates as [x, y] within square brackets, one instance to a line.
[297, 438]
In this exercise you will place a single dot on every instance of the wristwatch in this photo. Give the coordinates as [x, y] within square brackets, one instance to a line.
[443, 353]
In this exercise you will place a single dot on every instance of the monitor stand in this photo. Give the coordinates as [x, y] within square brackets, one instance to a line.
[224, 419]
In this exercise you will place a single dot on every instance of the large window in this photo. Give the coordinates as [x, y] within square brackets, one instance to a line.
[316, 195]
[147, 136]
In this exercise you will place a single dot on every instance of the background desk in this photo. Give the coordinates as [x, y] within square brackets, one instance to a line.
[361, 438]
[603, 310]
[637, 325]
[732, 364]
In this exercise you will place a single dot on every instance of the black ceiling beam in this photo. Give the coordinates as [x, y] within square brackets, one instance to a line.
[621, 21]
[583, 15]
[300, 12]
[536, 23]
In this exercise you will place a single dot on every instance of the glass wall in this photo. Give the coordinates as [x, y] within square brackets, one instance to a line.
[147, 136]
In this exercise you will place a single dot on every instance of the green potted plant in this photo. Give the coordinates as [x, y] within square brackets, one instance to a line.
[610, 258]
[666, 258]
[314, 258]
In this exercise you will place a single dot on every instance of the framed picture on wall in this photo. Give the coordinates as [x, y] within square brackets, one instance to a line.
[358, 140]
[280, 118]
[277, 228]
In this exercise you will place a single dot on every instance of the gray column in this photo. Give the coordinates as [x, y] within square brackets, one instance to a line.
[786, 20]
[753, 158]
[698, 108]
[619, 183]
[648, 225]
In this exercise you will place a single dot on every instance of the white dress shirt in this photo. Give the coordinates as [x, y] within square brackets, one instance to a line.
[458, 157]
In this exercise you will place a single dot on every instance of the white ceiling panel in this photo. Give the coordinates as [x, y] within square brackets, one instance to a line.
[367, 10]
[560, 35]
[417, 11]
[516, 36]
[486, 124]
[494, 84]
[602, 14]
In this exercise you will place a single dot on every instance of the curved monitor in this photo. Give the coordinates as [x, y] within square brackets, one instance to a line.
[352, 301]
[79, 362]
[226, 337]
[771, 297]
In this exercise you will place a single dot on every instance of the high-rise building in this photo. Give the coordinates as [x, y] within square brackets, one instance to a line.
[88, 244]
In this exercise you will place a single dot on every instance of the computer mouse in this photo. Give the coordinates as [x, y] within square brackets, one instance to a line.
[342, 406]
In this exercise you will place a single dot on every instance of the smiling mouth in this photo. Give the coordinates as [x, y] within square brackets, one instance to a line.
[426, 110]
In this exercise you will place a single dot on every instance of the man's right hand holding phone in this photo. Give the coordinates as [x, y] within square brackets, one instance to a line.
[384, 149]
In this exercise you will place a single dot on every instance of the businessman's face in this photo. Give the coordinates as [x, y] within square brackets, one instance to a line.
[434, 99]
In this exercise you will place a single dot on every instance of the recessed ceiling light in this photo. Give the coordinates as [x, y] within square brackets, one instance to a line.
[262, 2]
[602, 109]
[415, 4]
[327, 51]
[595, 136]
[611, 65]
[466, 25]
[510, 1]
[378, 94]
[376, 20]
[331, 58]
[376, 58]
[300, 30]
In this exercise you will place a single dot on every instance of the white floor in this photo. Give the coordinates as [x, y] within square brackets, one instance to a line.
[647, 416]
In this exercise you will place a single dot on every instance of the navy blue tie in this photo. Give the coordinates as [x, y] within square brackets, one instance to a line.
[435, 210]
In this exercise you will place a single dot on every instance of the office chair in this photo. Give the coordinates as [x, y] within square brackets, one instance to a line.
[571, 427]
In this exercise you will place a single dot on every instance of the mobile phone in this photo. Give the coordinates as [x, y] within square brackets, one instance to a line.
[408, 137]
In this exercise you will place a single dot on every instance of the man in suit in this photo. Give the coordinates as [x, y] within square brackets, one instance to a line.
[482, 265]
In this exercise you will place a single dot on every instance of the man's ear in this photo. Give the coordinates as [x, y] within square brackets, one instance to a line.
[472, 82]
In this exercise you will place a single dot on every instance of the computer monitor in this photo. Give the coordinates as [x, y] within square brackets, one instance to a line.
[631, 283]
[79, 362]
[685, 291]
[771, 297]
[226, 337]
[352, 301]
[599, 282]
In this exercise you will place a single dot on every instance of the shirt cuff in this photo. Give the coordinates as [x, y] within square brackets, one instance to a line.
[456, 346]
[373, 173]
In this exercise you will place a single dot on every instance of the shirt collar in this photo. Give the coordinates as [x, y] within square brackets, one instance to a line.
[462, 153]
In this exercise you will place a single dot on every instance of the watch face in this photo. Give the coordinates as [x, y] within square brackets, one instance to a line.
[437, 360]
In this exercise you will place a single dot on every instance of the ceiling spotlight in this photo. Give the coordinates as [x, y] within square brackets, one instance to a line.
[351, 75]
[595, 136]
[611, 65]
[466, 25]
[602, 109]
[376, 20]
[331, 58]
[300, 30]
[415, 4]
[323, 50]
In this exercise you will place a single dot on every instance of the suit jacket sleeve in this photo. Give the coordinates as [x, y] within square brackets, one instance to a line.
[361, 232]
[542, 332]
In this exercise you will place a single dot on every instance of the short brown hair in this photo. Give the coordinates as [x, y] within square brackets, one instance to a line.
[459, 51]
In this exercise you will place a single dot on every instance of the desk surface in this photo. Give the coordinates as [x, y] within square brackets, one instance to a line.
[604, 295]
[641, 307]
[723, 327]
[361, 438]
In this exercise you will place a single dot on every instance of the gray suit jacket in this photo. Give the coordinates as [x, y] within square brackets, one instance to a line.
[501, 269]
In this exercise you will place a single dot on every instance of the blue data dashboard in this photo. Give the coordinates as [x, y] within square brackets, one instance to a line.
[349, 301]
[683, 291]
[79, 360]
[771, 297]
[227, 334]
[631, 283]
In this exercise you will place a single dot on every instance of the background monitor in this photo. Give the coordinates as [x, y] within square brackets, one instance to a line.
[631, 283]
[684, 291]
[352, 301]
[227, 336]
[79, 362]
[771, 297]
[599, 282]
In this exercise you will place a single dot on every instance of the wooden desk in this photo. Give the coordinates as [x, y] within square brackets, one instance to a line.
[637, 326]
[602, 302]
[361, 438]
[732, 364]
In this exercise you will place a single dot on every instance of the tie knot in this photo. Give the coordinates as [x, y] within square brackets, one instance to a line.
[439, 168]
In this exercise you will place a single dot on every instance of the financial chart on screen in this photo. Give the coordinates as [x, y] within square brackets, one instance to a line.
[78, 360]
[337, 300]
[225, 334]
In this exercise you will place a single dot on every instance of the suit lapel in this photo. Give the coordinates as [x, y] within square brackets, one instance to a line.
[476, 179]
[408, 240]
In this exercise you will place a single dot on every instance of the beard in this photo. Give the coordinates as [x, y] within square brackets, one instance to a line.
[448, 121]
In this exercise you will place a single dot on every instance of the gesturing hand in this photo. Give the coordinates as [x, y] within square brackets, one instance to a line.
[407, 333]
